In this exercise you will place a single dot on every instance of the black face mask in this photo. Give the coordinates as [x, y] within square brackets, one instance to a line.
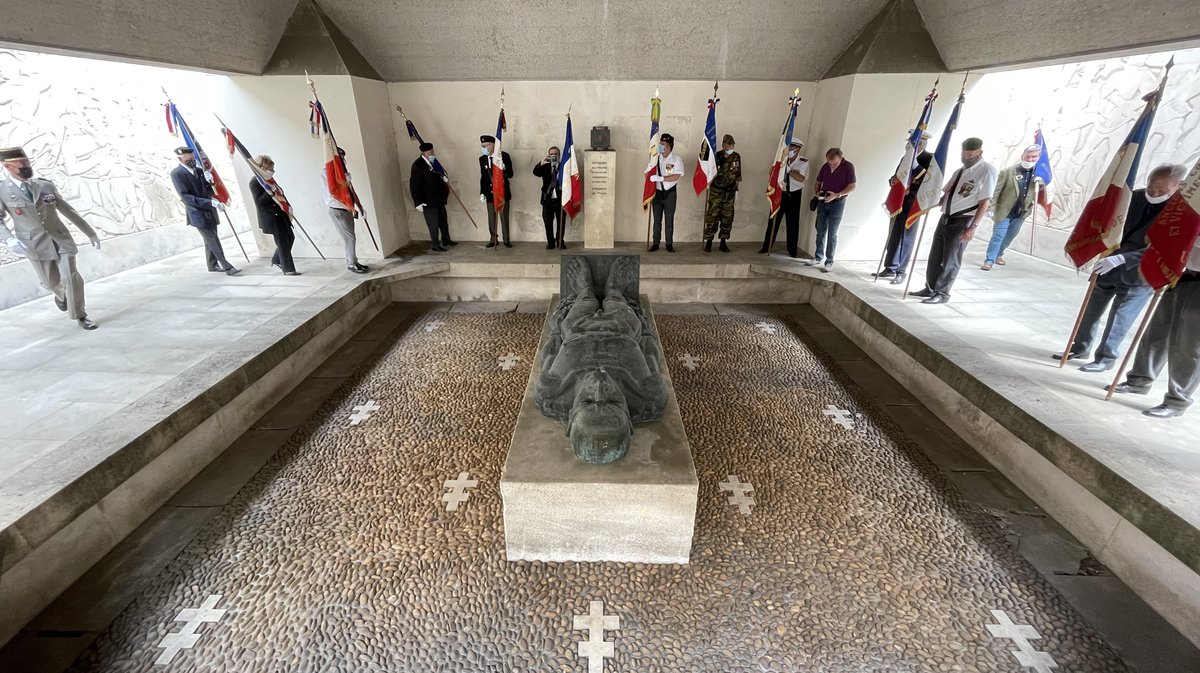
[25, 172]
[190, 163]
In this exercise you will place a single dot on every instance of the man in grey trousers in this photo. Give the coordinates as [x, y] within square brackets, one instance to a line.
[39, 235]
[343, 222]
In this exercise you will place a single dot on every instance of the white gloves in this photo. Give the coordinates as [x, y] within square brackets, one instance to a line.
[445, 179]
[95, 243]
[1109, 263]
[208, 175]
[16, 246]
[218, 205]
[656, 178]
[421, 208]
[482, 198]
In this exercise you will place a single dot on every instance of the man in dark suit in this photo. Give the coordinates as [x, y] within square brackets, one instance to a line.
[902, 238]
[429, 189]
[488, 147]
[1120, 282]
[202, 206]
[547, 170]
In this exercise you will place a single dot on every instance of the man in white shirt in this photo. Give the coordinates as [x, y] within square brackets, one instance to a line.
[343, 222]
[668, 169]
[964, 202]
[791, 182]
[1172, 339]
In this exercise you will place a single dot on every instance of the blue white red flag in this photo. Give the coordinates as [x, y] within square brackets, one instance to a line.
[648, 186]
[775, 179]
[930, 193]
[706, 167]
[569, 185]
[1042, 172]
[904, 171]
[498, 195]
[176, 125]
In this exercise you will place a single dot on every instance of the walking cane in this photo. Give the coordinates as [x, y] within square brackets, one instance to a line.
[1066, 354]
[912, 264]
[235, 236]
[1133, 346]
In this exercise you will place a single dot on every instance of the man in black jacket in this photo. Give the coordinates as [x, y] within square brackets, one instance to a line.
[1120, 282]
[547, 170]
[429, 189]
[902, 238]
[487, 144]
[202, 206]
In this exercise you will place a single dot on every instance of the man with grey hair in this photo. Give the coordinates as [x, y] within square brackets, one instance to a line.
[1120, 283]
[1011, 204]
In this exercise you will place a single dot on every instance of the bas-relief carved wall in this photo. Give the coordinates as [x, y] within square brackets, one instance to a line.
[97, 129]
[1085, 109]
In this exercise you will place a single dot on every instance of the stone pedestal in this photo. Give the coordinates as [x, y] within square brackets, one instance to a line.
[641, 508]
[599, 199]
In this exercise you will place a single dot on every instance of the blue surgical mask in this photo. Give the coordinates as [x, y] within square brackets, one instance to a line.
[662, 149]
[483, 150]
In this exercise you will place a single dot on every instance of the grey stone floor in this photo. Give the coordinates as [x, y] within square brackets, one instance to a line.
[861, 553]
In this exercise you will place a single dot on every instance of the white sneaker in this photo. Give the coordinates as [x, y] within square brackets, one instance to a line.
[814, 261]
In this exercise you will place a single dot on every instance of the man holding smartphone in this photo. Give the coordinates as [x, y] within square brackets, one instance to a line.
[547, 170]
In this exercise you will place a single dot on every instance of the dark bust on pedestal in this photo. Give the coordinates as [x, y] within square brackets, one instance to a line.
[600, 364]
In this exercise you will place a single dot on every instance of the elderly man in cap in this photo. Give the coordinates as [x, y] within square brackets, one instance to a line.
[1011, 204]
[901, 235]
[487, 145]
[429, 190]
[202, 205]
[721, 194]
[965, 201]
[39, 235]
[794, 173]
[343, 216]
[668, 169]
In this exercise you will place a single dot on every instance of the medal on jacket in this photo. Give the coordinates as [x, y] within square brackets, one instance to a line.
[18, 211]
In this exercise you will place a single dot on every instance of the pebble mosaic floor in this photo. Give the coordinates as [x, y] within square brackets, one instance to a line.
[856, 555]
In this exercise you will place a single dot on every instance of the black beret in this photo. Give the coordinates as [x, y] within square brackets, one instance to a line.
[425, 147]
[972, 144]
[668, 138]
[11, 153]
[183, 150]
[487, 139]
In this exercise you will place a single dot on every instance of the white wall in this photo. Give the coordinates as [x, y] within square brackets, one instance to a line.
[452, 115]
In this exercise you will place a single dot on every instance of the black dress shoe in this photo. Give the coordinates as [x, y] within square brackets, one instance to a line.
[550, 246]
[654, 248]
[937, 298]
[1072, 356]
[886, 273]
[723, 247]
[437, 248]
[1127, 387]
[670, 248]
[1163, 411]
[231, 271]
[60, 303]
[490, 244]
[507, 244]
[708, 245]
[762, 251]
[357, 268]
[924, 292]
[897, 279]
[1098, 366]
[562, 245]
[446, 243]
[87, 323]
[291, 273]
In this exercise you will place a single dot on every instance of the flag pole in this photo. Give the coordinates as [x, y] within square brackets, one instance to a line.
[649, 208]
[353, 193]
[449, 187]
[1137, 338]
[1033, 214]
[1066, 354]
[912, 264]
[235, 236]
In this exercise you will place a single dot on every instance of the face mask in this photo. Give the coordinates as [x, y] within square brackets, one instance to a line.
[662, 149]
[431, 157]
[729, 151]
[1158, 199]
[1028, 164]
[483, 150]
[967, 163]
[269, 174]
[25, 172]
[190, 163]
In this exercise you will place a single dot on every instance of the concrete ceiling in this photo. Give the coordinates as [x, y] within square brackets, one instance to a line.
[413, 40]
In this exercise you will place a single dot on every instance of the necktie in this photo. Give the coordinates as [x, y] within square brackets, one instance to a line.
[28, 192]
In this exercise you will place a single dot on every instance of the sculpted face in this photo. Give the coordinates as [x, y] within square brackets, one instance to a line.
[599, 424]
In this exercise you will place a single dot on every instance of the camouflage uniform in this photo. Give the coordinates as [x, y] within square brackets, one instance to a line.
[720, 197]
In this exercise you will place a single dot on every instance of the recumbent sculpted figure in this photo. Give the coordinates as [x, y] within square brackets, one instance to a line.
[600, 364]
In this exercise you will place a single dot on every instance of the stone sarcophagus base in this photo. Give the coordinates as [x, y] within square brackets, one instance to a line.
[641, 508]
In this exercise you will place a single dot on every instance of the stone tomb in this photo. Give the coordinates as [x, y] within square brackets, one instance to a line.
[641, 508]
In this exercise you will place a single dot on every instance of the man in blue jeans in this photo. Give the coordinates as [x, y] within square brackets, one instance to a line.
[1011, 204]
[1120, 282]
[834, 182]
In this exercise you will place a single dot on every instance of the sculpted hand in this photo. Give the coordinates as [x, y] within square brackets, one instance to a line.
[16, 246]
[1109, 263]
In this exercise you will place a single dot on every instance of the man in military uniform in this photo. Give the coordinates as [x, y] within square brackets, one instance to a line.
[721, 193]
[39, 234]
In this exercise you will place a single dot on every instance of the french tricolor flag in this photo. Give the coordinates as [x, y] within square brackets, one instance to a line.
[498, 195]
[1173, 234]
[1043, 173]
[775, 179]
[569, 185]
[900, 181]
[930, 193]
[706, 167]
[1102, 221]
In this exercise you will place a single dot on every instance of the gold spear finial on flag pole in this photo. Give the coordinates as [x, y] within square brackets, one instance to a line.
[963, 90]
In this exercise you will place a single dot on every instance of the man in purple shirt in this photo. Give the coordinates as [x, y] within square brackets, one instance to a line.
[834, 181]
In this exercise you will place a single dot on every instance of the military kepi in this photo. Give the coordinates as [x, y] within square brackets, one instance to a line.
[972, 144]
[425, 147]
[183, 150]
[487, 139]
[12, 154]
